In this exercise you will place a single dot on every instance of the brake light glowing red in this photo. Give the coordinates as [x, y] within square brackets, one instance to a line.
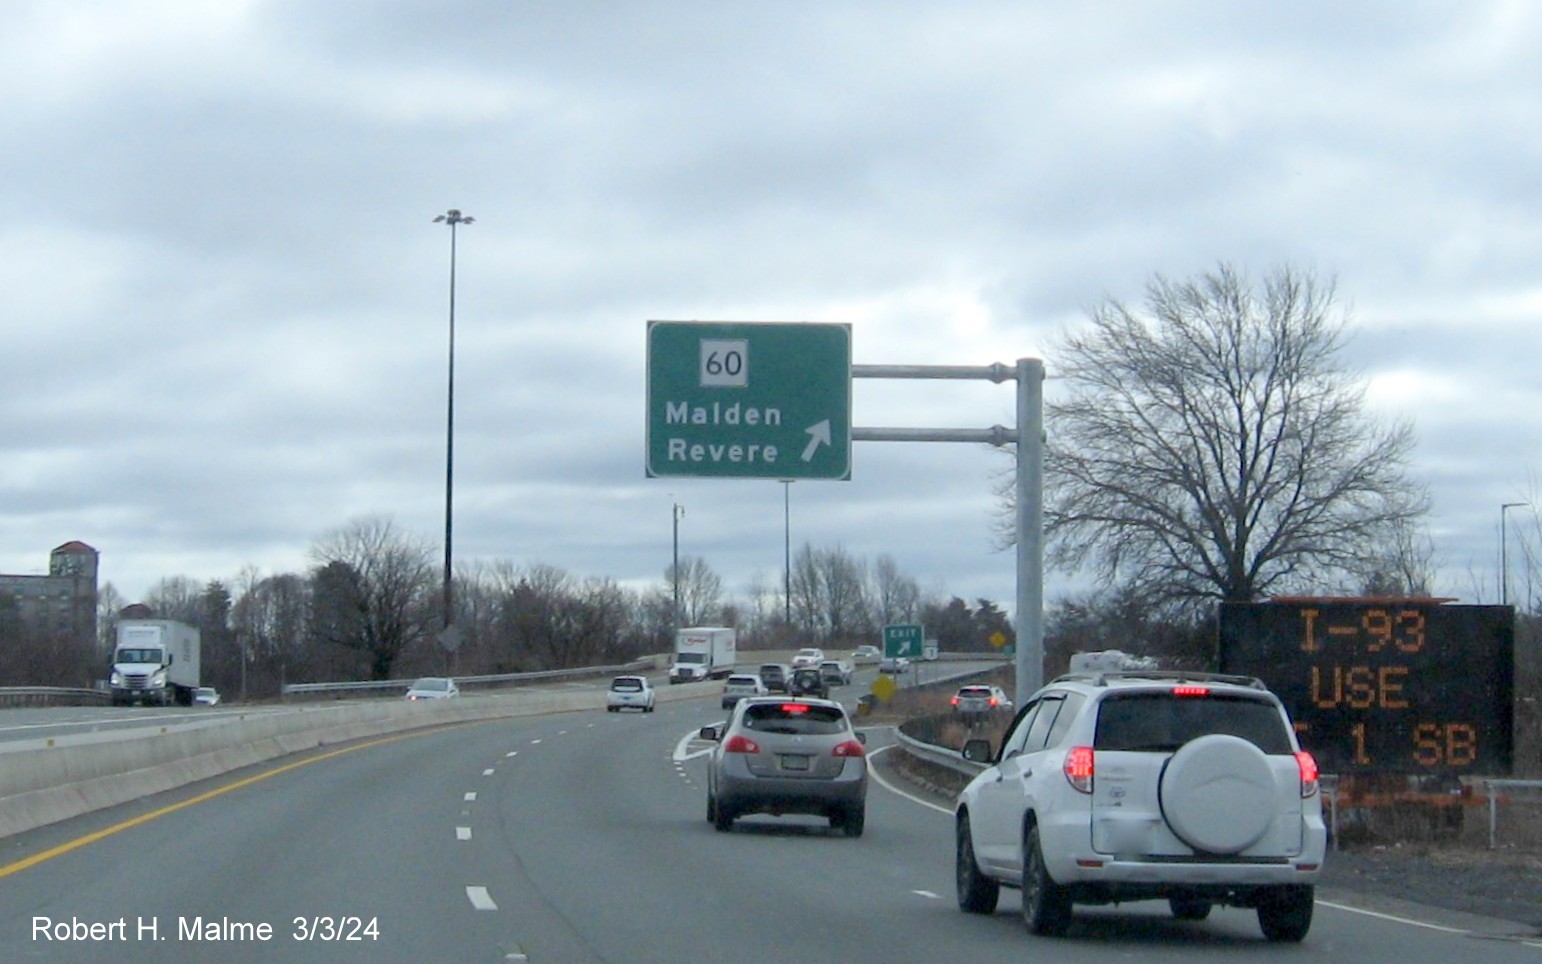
[955, 701]
[1309, 774]
[995, 701]
[1079, 767]
[794, 707]
[738, 743]
[852, 748]
[1191, 691]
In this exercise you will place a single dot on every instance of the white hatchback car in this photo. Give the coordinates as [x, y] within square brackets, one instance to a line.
[740, 686]
[1141, 785]
[629, 691]
[433, 688]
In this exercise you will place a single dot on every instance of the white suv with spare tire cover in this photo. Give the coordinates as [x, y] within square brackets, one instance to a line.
[1126, 786]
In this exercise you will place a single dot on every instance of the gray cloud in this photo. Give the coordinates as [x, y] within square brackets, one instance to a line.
[225, 307]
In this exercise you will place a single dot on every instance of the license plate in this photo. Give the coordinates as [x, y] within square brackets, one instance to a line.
[792, 762]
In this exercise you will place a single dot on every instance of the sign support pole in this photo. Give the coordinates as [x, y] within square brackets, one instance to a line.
[1029, 439]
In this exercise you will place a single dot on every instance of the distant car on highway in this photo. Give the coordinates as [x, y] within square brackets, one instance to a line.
[774, 675]
[739, 686]
[433, 688]
[808, 681]
[836, 672]
[809, 656]
[866, 654]
[629, 691]
[206, 696]
[893, 664]
[781, 756]
[978, 700]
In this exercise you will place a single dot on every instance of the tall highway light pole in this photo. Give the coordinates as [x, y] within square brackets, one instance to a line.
[454, 219]
[787, 553]
[676, 511]
[1504, 559]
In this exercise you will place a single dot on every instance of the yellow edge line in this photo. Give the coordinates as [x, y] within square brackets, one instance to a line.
[117, 828]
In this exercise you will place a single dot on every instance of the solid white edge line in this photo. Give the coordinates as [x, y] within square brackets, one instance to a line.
[878, 777]
[480, 899]
[1523, 940]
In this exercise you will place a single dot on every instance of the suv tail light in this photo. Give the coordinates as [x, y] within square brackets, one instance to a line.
[955, 701]
[1078, 768]
[848, 748]
[1308, 765]
[739, 743]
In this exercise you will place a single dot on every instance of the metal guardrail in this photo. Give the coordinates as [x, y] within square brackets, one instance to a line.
[50, 696]
[940, 755]
[300, 689]
[1489, 788]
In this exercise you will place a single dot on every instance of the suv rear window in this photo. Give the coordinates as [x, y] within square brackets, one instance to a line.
[1164, 722]
[984, 691]
[804, 718]
[626, 685]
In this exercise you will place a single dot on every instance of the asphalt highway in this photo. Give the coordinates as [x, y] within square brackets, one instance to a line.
[572, 837]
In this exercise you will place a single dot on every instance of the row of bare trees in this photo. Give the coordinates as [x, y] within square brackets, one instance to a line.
[369, 607]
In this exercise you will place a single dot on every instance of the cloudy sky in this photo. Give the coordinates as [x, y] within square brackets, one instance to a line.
[225, 301]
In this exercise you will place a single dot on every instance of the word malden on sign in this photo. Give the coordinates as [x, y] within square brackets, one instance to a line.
[683, 413]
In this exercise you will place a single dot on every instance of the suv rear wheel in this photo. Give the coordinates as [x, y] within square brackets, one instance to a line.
[1046, 904]
[977, 893]
[1286, 914]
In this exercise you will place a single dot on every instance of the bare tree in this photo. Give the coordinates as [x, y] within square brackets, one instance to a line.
[374, 591]
[1215, 447]
[829, 594]
[108, 602]
[177, 597]
[896, 596]
[701, 591]
[270, 620]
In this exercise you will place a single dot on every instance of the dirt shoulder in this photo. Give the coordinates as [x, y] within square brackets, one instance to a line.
[1489, 891]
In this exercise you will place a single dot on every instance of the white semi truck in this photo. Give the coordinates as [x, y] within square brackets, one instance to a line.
[704, 652]
[155, 661]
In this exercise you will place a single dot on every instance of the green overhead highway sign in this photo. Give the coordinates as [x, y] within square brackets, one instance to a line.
[903, 640]
[749, 400]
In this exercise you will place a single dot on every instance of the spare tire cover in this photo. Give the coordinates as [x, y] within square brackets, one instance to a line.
[1218, 794]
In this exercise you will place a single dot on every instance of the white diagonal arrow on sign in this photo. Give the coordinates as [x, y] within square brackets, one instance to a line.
[819, 433]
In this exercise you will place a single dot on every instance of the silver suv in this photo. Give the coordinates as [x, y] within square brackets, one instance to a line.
[1127, 786]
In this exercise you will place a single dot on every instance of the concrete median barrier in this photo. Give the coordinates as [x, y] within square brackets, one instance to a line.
[40, 785]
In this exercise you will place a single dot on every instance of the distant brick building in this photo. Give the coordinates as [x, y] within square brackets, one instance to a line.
[62, 602]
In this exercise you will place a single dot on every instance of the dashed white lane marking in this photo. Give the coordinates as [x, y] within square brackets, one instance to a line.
[462, 833]
[535, 741]
[488, 772]
[480, 898]
[470, 797]
[512, 753]
[927, 894]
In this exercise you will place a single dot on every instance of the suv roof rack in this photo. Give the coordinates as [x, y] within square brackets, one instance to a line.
[1101, 677]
